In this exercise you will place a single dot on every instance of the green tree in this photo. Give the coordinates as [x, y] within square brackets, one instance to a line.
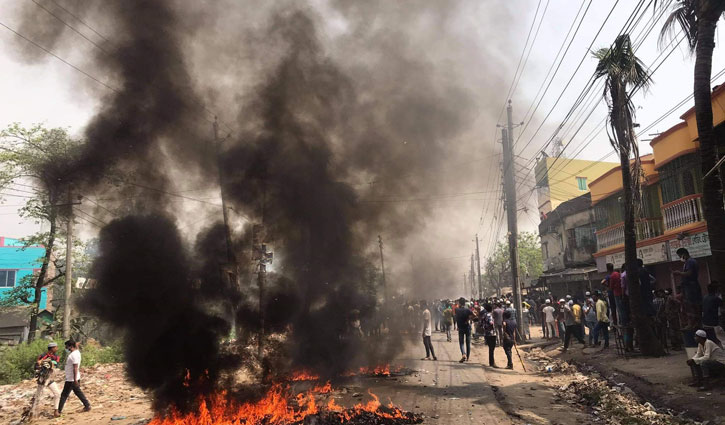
[497, 265]
[698, 20]
[624, 73]
[39, 156]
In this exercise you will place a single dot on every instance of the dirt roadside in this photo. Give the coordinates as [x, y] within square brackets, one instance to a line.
[661, 382]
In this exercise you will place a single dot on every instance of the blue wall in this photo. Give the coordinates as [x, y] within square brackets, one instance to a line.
[24, 261]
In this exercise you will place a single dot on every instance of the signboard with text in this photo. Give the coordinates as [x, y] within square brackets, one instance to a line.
[650, 254]
[697, 245]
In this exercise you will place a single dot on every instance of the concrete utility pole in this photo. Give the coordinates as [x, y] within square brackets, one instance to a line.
[471, 276]
[478, 270]
[382, 269]
[68, 269]
[225, 213]
[510, 192]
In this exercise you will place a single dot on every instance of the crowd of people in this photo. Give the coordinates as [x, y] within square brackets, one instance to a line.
[588, 318]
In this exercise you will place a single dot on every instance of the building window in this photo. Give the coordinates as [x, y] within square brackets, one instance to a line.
[7, 278]
[545, 249]
[581, 183]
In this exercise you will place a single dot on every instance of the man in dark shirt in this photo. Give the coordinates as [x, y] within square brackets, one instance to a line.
[690, 289]
[489, 332]
[645, 288]
[509, 331]
[711, 311]
[463, 321]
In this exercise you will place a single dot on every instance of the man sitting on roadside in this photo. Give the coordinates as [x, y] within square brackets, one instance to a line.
[708, 361]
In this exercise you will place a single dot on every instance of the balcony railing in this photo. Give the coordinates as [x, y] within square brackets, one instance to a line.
[614, 235]
[610, 236]
[683, 211]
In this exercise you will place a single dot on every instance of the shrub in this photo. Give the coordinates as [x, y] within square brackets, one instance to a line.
[16, 362]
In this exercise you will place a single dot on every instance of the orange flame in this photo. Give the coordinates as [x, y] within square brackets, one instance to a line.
[274, 409]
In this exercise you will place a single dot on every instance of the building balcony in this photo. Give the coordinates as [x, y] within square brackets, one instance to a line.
[683, 211]
[647, 228]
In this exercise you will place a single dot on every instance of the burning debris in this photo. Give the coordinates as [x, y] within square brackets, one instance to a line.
[280, 407]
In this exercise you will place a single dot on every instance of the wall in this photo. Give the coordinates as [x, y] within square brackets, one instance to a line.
[561, 179]
[25, 261]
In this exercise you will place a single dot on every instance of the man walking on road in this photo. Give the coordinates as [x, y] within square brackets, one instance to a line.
[44, 374]
[498, 320]
[463, 320]
[509, 333]
[427, 325]
[448, 320]
[73, 377]
[489, 333]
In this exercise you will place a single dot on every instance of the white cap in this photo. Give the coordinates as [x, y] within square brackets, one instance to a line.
[562, 300]
[701, 333]
[548, 301]
[588, 293]
[568, 297]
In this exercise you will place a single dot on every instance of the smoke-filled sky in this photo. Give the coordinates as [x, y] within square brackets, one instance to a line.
[412, 93]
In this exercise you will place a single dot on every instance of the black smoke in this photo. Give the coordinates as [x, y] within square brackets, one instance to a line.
[146, 288]
[314, 120]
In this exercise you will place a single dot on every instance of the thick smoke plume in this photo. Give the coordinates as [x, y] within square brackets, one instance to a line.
[323, 135]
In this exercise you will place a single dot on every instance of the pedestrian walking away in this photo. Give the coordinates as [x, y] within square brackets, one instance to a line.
[509, 330]
[489, 333]
[463, 320]
[427, 330]
[73, 377]
[448, 320]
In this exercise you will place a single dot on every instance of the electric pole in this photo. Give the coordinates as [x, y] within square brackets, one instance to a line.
[382, 269]
[478, 270]
[68, 268]
[509, 167]
[225, 213]
[228, 272]
[471, 276]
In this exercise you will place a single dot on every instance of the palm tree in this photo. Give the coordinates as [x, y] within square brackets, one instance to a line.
[698, 20]
[625, 73]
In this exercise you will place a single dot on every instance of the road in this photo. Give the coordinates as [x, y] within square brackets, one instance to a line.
[445, 391]
[449, 392]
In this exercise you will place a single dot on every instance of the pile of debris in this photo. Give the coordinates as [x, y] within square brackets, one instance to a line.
[608, 403]
[616, 404]
[549, 365]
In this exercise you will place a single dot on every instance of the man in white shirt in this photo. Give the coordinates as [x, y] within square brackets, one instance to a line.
[73, 377]
[709, 360]
[427, 328]
[550, 319]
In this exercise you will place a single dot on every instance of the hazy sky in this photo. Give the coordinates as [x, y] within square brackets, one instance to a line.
[51, 93]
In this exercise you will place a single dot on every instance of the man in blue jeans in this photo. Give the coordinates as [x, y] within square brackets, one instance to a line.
[463, 320]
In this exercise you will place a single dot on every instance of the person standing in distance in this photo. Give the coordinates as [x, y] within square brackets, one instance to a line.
[73, 377]
[427, 325]
[463, 320]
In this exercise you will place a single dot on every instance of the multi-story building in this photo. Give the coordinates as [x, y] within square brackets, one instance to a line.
[563, 179]
[671, 214]
[568, 243]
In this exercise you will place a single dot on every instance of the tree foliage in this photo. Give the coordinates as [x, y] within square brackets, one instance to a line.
[497, 265]
[36, 158]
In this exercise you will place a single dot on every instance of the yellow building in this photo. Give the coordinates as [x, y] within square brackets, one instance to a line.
[672, 213]
[559, 180]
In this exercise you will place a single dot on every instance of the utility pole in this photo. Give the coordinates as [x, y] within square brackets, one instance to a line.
[225, 213]
[382, 268]
[478, 270]
[229, 272]
[471, 276]
[511, 211]
[68, 268]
